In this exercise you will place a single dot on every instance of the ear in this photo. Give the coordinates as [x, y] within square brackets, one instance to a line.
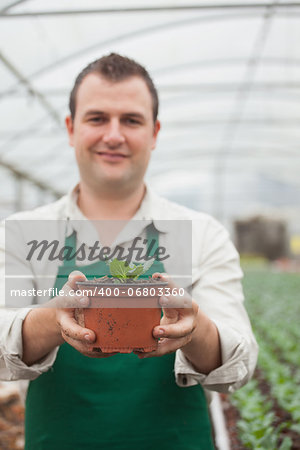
[156, 129]
[70, 129]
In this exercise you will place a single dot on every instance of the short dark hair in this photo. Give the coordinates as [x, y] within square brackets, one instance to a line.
[115, 67]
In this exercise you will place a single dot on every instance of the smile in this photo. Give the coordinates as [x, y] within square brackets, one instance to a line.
[111, 156]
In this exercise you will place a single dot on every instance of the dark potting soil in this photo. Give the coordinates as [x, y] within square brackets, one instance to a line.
[110, 280]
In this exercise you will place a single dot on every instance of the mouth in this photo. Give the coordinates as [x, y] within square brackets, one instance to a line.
[111, 156]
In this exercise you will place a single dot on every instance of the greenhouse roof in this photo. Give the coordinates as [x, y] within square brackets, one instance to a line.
[228, 76]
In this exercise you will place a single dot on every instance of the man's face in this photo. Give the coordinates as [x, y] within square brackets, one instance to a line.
[113, 132]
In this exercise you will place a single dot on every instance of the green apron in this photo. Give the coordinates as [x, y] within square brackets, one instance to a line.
[120, 402]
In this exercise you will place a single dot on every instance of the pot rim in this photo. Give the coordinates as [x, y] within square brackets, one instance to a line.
[98, 283]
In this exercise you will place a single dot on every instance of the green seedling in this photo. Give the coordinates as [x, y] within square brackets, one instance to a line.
[124, 271]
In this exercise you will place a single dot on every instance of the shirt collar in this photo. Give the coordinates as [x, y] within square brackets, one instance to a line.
[150, 210]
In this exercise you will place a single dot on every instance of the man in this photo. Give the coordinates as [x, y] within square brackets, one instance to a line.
[127, 401]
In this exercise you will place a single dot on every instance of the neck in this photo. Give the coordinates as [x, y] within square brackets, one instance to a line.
[109, 206]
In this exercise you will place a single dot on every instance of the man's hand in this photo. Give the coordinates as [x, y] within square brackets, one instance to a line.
[178, 322]
[74, 334]
[184, 326]
[54, 323]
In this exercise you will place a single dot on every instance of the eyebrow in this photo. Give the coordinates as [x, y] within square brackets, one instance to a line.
[135, 115]
[94, 112]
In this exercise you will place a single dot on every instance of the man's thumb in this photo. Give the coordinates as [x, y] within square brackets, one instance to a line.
[75, 276]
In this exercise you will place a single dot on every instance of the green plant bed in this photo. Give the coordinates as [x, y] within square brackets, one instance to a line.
[273, 304]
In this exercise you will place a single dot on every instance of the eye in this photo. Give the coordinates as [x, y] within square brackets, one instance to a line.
[96, 119]
[132, 121]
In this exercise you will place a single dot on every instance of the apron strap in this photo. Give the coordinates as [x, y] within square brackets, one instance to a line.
[152, 238]
[70, 255]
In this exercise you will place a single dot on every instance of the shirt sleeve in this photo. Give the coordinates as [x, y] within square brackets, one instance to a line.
[218, 291]
[11, 349]
[11, 346]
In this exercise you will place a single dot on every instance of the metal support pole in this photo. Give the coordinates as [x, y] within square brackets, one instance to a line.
[19, 198]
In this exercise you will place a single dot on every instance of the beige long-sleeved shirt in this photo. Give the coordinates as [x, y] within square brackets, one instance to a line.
[215, 284]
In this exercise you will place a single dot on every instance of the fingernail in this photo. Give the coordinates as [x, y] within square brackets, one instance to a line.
[84, 301]
[161, 331]
[87, 337]
[164, 300]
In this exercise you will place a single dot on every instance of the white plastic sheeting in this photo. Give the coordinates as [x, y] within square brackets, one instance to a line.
[228, 76]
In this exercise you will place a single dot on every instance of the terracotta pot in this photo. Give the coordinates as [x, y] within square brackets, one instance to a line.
[121, 315]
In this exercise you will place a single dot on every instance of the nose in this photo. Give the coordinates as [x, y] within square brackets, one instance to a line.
[113, 136]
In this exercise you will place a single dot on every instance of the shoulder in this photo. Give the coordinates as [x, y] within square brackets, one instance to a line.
[51, 211]
[170, 210]
[208, 235]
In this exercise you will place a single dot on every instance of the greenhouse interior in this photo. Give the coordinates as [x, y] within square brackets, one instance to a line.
[228, 80]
